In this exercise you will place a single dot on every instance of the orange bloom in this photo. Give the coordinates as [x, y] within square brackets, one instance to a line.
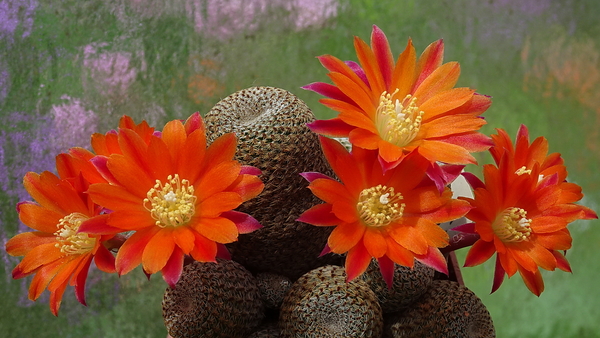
[390, 216]
[521, 211]
[399, 107]
[57, 252]
[176, 193]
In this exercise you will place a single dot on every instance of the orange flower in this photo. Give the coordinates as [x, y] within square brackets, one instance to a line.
[390, 216]
[57, 252]
[521, 211]
[397, 108]
[176, 194]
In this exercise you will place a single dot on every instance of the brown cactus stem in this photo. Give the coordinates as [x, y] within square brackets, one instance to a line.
[115, 243]
[459, 240]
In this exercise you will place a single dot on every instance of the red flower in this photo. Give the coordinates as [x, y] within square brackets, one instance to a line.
[176, 193]
[390, 216]
[521, 211]
[57, 253]
[399, 107]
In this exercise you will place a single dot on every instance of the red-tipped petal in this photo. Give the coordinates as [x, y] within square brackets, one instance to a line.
[193, 123]
[130, 253]
[480, 252]
[311, 176]
[434, 259]
[320, 215]
[80, 279]
[383, 55]
[561, 261]
[473, 180]
[327, 90]
[205, 250]
[172, 270]
[357, 261]
[498, 275]
[533, 280]
[325, 250]
[98, 225]
[244, 222]
[104, 259]
[386, 266]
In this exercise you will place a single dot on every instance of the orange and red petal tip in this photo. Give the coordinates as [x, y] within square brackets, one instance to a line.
[434, 259]
[244, 222]
[333, 127]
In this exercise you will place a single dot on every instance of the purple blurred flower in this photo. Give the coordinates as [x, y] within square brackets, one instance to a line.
[225, 18]
[72, 125]
[15, 13]
[111, 72]
[4, 83]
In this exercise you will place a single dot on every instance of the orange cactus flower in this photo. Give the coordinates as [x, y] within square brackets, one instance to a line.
[391, 216]
[521, 211]
[57, 253]
[177, 194]
[399, 107]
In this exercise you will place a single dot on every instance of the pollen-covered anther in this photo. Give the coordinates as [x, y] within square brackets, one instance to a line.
[512, 225]
[68, 240]
[398, 122]
[379, 206]
[523, 170]
[172, 203]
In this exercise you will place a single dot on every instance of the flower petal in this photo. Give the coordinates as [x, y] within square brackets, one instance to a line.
[374, 242]
[173, 268]
[244, 222]
[130, 253]
[158, 251]
[219, 229]
[357, 261]
[319, 215]
[345, 236]
[21, 244]
[480, 252]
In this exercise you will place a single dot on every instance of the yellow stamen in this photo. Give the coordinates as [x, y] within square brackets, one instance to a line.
[399, 122]
[171, 204]
[379, 206]
[523, 170]
[68, 240]
[512, 225]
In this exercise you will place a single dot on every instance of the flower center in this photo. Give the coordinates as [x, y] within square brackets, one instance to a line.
[172, 203]
[69, 240]
[379, 206]
[512, 225]
[399, 122]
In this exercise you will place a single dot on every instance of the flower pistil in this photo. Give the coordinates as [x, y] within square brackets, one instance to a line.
[379, 206]
[399, 122]
[68, 240]
[512, 225]
[171, 204]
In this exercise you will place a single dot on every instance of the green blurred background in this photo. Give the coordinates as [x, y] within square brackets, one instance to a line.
[69, 68]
